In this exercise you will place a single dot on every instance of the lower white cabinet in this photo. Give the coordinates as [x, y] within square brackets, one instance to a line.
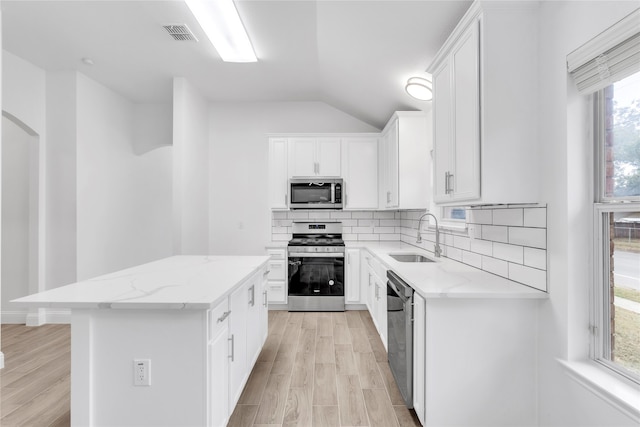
[375, 283]
[237, 331]
[419, 356]
[277, 279]
[218, 357]
[353, 292]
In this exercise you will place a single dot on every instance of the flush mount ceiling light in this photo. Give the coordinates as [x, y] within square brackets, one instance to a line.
[221, 23]
[419, 88]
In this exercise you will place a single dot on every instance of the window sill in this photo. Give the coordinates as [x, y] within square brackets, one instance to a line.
[620, 393]
[452, 226]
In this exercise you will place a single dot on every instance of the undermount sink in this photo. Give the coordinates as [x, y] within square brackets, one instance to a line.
[410, 258]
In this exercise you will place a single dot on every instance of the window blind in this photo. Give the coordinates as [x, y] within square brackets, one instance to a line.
[611, 56]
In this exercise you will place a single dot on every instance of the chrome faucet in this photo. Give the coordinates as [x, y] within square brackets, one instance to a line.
[437, 250]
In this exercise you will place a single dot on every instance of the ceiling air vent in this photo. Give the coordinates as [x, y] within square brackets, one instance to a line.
[180, 32]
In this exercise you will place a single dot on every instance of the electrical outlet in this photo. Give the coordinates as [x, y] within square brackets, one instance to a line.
[141, 372]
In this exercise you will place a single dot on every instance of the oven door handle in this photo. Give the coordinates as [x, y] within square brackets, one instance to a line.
[316, 255]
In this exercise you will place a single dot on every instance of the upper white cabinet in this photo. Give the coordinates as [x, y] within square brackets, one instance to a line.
[278, 174]
[485, 92]
[404, 164]
[457, 122]
[310, 157]
[360, 172]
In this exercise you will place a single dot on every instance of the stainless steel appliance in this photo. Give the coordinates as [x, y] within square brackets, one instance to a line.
[316, 267]
[316, 193]
[400, 334]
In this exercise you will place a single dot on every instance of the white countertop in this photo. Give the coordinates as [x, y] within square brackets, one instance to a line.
[179, 282]
[446, 278]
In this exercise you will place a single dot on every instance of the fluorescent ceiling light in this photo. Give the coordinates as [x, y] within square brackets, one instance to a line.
[221, 23]
[419, 88]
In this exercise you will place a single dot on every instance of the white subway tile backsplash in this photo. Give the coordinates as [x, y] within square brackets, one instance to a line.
[495, 266]
[508, 217]
[535, 217]
[359, 230]
[461, 242]
[472, 259]
[389, 237]
[495, 233]
[385, 215]
[384, 230]
[320, 215]
[298, 215]
[506, 240]
[368, 237]
[281, 237]
[453, 253]
[532, 237]
[341, 215]
[528, 276]
[483, 247]
[362, 215]
[506, 252]
[536, 258]
[479, 216]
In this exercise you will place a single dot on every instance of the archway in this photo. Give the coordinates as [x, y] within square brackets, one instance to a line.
[21, 218]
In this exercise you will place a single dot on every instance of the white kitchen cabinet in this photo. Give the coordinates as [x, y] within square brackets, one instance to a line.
[238, 372]
[314, 156]
[484, 108]
[404, 164]
[278, 174]
[257, 329]
[457, 122]
[419, 356]
[218, 358]
[353, 292]
[376, 298]
[360, 172]
[276, 282]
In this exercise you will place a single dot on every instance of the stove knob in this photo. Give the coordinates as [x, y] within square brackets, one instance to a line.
[331, 282]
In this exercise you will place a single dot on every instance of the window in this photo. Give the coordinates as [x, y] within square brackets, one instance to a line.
[616, 296]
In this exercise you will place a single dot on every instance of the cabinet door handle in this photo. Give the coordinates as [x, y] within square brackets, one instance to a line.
[224, 316]
[447, 189]
[449, 183]
[233, 348]
[264, 298]
[388, 196]
[252, 295]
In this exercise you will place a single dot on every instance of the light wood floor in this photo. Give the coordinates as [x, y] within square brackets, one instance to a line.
[322, 369]
[316, 369]
[34, 384]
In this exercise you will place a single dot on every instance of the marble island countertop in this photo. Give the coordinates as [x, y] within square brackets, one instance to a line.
[178, 282]
[445, 278]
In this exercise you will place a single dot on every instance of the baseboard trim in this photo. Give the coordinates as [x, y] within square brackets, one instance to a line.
[37, 317]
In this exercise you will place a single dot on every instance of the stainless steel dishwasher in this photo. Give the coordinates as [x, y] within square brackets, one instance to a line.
[400, 334]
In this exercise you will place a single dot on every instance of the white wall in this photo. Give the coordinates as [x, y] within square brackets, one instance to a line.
[190, 170]
[566, 140]
[240, 218]
[123, 200]
[16, 201]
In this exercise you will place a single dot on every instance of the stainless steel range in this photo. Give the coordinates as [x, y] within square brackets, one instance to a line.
[316, 267]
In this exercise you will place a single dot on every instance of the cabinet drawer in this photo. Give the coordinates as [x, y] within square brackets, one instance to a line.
[276, 253]
[277, 292]
[218, 318]
[276, 270]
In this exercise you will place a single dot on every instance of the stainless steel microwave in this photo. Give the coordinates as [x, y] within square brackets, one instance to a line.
[316, 193]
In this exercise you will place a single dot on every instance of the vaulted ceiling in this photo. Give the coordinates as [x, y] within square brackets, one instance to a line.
[353, 55]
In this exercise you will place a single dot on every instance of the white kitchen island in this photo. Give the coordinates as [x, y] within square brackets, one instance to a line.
[198, 321]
